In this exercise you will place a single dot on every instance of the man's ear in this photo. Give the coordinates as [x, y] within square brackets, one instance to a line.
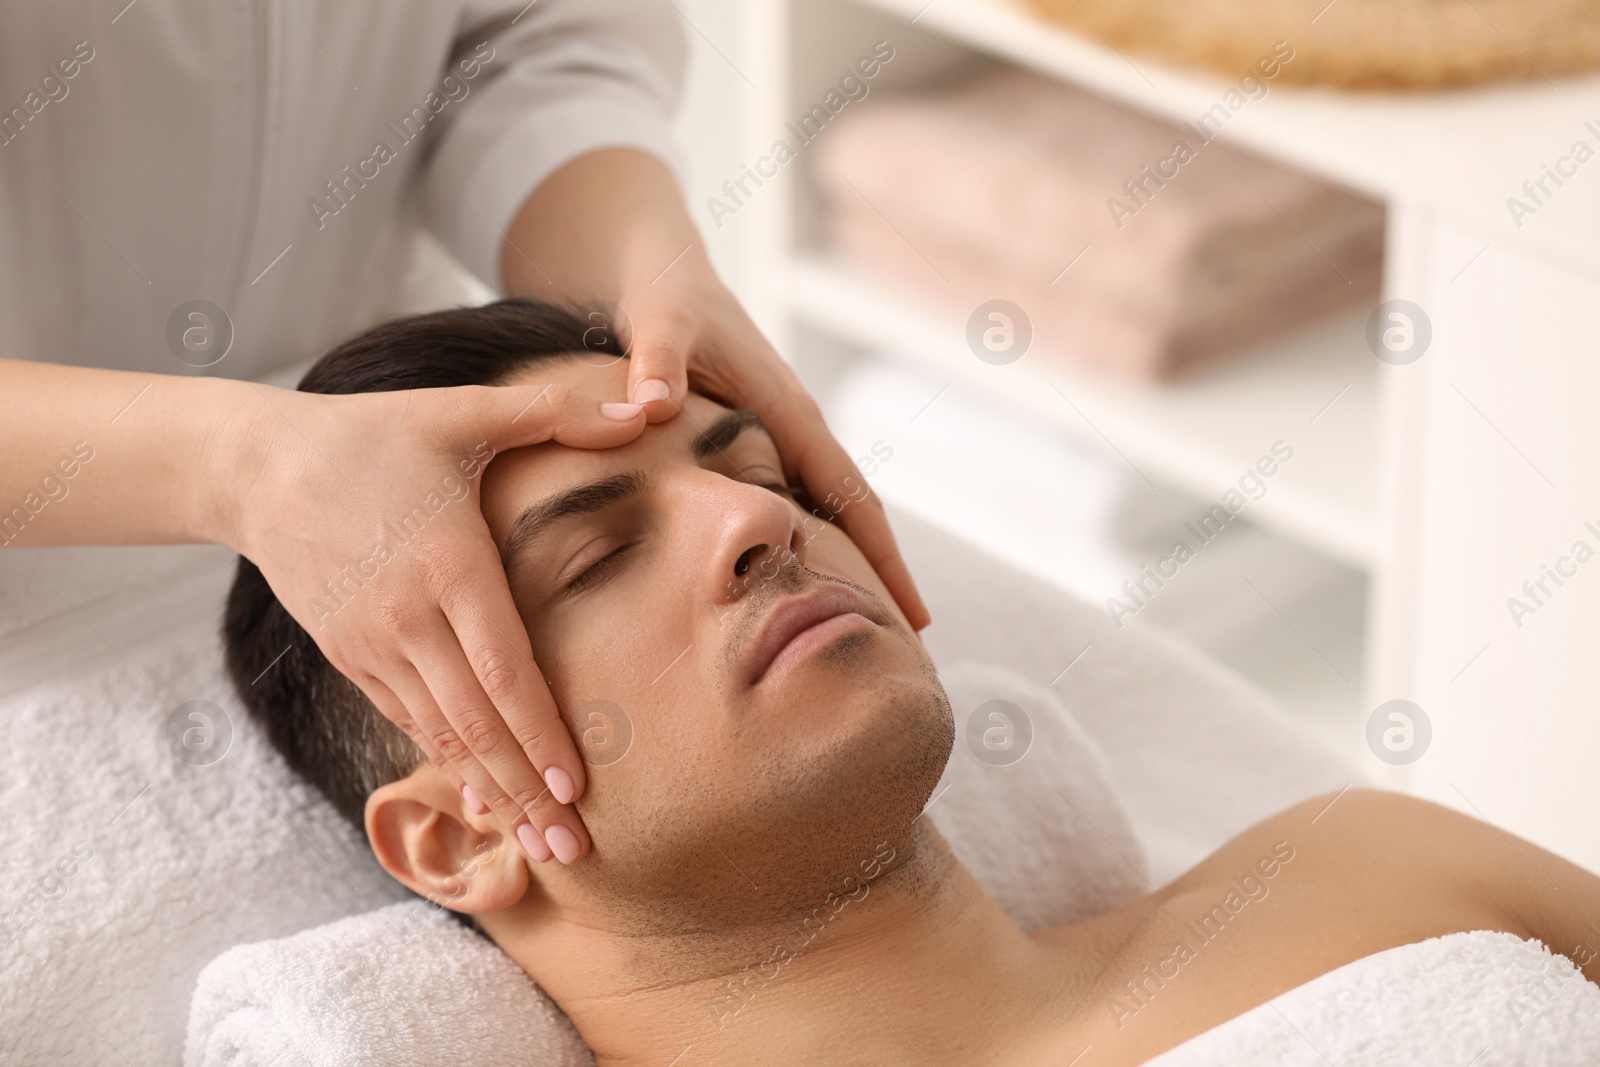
[423, 834]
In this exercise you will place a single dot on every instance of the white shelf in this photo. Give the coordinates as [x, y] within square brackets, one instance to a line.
[1463, 152]
[1198, 435]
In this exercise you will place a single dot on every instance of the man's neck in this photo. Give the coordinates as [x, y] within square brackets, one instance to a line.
[918, 965]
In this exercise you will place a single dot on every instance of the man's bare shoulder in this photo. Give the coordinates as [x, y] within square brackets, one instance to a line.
[1381, 829]
[1346, 846]
[1384, 861]
[1312, 888]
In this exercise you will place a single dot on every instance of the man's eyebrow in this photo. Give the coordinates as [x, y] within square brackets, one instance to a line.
[725, 430]
[582, 499]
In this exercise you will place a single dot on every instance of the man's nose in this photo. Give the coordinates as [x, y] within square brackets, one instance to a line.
[757, 536]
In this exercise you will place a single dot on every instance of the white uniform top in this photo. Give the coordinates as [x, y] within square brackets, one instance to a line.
[263, 155]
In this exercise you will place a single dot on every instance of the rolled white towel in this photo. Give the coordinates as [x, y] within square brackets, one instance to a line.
[405, 984]
[1481, 998]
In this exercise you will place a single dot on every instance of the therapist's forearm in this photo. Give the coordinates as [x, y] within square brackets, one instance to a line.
[605, 223]
[109, 457]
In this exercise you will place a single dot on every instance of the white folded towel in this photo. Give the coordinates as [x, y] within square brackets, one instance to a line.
[402, 985]
[1038, 823]
[1480, 998]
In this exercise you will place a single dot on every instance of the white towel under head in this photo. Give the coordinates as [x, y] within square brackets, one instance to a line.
[402, 985]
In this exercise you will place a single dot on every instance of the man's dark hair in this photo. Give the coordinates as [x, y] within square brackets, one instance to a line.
[323, 725]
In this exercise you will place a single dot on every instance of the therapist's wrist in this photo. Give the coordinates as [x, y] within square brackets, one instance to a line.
[655, 255]
[236, 445]
[602, 225]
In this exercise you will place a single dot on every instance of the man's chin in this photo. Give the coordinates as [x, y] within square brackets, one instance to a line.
[813, 800]
[861, 778]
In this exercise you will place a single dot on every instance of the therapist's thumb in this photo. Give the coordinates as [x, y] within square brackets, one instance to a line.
[658, 366]
[513, 416]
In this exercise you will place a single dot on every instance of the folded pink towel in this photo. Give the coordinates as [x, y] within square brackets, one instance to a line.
[989, 189]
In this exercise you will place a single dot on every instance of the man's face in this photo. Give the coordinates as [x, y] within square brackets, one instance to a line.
[745, 756]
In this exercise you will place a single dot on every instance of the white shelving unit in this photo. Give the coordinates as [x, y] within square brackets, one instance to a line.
[1448, 481]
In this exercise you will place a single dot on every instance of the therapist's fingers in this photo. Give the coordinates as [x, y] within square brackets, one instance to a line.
[395, 710]
[765, 384]
[452, 710]
[523, 713]
[756, 377]
[658, 361]
[498, 725]
[501, 709]
[687, 328]
[514, 416]
[461, 744]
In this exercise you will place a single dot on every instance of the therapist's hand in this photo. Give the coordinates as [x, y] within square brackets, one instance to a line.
[612, 224]
[428, 629]
[687, 328]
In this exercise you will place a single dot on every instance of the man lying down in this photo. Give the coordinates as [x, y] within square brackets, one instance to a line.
[788, 728]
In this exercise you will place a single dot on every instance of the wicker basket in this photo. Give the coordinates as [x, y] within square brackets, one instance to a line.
[1352, 44]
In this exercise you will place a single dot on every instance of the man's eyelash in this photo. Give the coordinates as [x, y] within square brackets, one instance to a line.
[597, 569]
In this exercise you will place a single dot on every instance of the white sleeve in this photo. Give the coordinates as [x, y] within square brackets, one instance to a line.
[566, 77]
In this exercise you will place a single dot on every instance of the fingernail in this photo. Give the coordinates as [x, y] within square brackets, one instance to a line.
[474, 805]
[563, 842]
[560, 783]
[620, 412]
[651, 389]
[533, 842]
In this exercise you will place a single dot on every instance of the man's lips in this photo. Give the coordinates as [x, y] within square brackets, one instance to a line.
[816, 616]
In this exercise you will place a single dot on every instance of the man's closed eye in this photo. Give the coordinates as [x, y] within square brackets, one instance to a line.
[599, 568]
[607, 563]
